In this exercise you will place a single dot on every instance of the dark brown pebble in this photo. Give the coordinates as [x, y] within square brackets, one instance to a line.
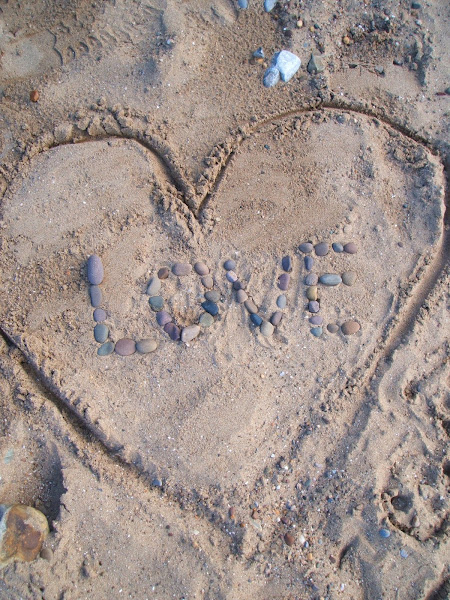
[181, 269]
[321, 249]
[289, 539]
[306, 248]
[125, 347]
[350, 327]
[286, 264]
[100, 315]
[201, 268]
[96, 295]
[311, 279]
[332, 328]
[95, 270]
[172, 331]
[163, 273]
[275, 319]
[232, 512]
[283, 281]
[34, 96]
[313, 306]
[350, 248]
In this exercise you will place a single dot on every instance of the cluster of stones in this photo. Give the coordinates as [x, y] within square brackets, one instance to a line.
[328, 279]
[124, 346]
[209, 305]
[267, 328]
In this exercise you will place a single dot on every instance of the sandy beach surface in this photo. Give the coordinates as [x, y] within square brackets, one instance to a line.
[293, 444]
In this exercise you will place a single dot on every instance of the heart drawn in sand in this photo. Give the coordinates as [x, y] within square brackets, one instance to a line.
[230, 399]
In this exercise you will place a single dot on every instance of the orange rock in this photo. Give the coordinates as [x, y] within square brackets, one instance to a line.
[23, 530]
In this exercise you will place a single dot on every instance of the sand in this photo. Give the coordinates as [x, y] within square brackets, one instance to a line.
[236, 465]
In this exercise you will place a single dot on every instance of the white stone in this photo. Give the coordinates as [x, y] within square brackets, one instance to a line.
[287, 63]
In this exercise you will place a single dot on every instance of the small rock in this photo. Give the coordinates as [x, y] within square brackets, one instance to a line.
[229, 265]
[213, 295]
[96, 295]
[101, 333]
[259, 53]
[267, 328]
[163, 273]
[181, 269]
[315, 65]
[282, 301]
[286, 264]
[289, 539]
[283, 281]
[125, 347]
[206, 320]
[154, 286]
[306, 247]
[311, 279]
[100, 315]
[106, 349]
[146, 346]
[287, 63]
[379, 69]
[313, 306]
[350, 327]
[163, 317]
[404, 553]
[189, 333]
[309, 263]
[316, 320]
[349, 277]
[172, 331]
[332, 328]
[255, 319]
[46, 554]
[350, 248]
[23, 530]
[321, 249]
[243, 4]
[241, 296]
[269, 5]
[385, 533]
[338, 247]
[239, 285]
[271, 77]
[330, 279]
[34, 95]
[156, 303]
[251, 306]
[311, 292]
[231, 276]
[316, 331]
[207, 282]
[156, 482]
[95, 270]
[201, 268]
[210, 307]
[275, 319]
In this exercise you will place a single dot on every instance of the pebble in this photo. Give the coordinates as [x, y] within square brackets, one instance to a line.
[106, 349]
[287, 63]
[349, 277]
[321, 249]
[201, 268]
[275, 319]
[309, 262]
[23, 530]
[271, 77]
[332, 328]
[239, 285]
[269, 5]
[163, 317]
[146, 346]
[311, 292]
[306, 247]
[172, 331]
[259, 53]
[207, 282]
[350, 327]
[181, 269]
[330, 279]
[101, 333]
[286, 263]
[229, 265]
[385, 533]
[337, 247]
[316, 331]
[100, 315]
[313, 306]
[267, 328]
[154, 286]
[282, 301]
[315, 65]
[125, 347]
[189, 333]
[283, 281]
[95, 270]
[156, 303]
[311, 279]
[251, 306]
[289, 539]
[231, 276]
[47, 554]
[163, 273]
[255, 319]
[96, 295]
[206, 320]
[213, 295]
[243, 4]
[404, 553]
[241, 296]
[210, 307]
[350, 248]
[316, 320]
